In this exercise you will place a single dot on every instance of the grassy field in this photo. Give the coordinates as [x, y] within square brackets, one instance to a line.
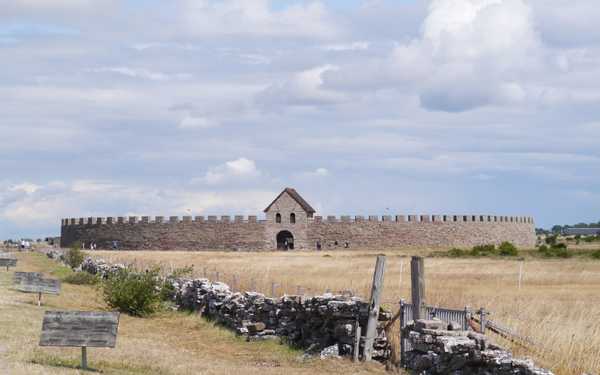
[558, 304]
[168, 343]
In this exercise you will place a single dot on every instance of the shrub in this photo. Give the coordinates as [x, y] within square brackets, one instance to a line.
[551, 240]
[456, 253]
[81, 278]
[74, 256]
[134, 293]
[507, 249]
[483, 250]
[596, 254]
[559, 250]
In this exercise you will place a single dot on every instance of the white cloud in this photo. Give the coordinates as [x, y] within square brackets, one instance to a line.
[193, 122]
[238, 169]
[256, 17]
[340, 47]
[138, 73]
[304, 88]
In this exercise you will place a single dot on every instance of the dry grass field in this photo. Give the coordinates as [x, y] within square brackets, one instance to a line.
[558, 304]
[168, 343]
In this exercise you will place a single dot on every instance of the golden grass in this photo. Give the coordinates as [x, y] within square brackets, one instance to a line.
[168, 343]
[558, 304]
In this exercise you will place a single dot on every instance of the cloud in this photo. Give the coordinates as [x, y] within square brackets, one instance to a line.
[257, 18]
[44, 206]
[138, 73]
[304, 88]
[341, 47]
[238, 169]
[192, 122]
[471, 54]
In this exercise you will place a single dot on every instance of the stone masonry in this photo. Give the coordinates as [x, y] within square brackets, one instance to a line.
[290, 222]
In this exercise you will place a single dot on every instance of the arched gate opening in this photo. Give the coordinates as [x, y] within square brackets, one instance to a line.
[285, 240]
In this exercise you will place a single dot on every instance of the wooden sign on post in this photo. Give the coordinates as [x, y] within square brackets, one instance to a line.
[19, 277]
[7, 261]
[39, 286]
[80, 329]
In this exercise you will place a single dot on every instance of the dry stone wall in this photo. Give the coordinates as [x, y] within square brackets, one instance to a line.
[323, 325]
[438, 350]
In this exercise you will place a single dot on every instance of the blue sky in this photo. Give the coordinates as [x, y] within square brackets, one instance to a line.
[365, 106]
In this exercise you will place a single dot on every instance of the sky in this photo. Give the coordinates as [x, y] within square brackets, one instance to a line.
[200, 107]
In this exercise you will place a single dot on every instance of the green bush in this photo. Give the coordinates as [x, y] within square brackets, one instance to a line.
[596, 254]
[74, 256]
[559, 250]
[483, 250]
[507, 249]
[551, 240]
[456, 253]
[81, 278]
[134, 293]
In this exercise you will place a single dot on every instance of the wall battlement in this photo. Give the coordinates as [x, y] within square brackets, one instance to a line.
[226, 219]
[127, 220]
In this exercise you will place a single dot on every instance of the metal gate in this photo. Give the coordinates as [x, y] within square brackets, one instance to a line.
[461, 317]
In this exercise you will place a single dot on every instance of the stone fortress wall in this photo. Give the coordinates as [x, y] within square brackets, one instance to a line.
[290, 223]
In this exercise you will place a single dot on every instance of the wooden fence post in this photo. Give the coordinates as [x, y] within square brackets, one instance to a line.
[376, 290]
[482, 319]
[402, 319]
[417, 278]
[84, 365]
[273, 287]
[357, 334]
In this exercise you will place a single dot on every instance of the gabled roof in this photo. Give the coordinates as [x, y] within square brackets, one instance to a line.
[295, 196]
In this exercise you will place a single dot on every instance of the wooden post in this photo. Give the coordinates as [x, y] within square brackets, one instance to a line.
[273, 287]
[402, 319]
[357, 334]
[217, 276]
[520, 274]
[401, 274]
[84, 365]
[39, 299]
[417, 278]
[482, 314]
[376, 290]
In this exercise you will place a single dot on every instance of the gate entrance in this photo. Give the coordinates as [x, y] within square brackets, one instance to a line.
[285, 240]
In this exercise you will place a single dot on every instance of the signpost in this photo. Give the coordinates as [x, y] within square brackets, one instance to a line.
[30, 284]
[20, 276]
[80, 329]
[7, 261]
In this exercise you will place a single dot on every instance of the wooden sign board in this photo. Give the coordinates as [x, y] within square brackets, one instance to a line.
[80, 329]
[8, 262]
[19, 277]
[33, 285]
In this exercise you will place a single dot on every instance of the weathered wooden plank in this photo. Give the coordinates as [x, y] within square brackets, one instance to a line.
[20, 276]
[8, 262]
[33, 285]
[80, 329]
[417, 277]
[376, 290]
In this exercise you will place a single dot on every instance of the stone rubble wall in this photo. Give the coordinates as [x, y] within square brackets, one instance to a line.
[436, 349]
[320, 324]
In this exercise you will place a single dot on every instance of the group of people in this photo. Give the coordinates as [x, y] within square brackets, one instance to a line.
[92, 245]
[335, 244]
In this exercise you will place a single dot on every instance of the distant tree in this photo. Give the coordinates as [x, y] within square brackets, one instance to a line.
[557, 229]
